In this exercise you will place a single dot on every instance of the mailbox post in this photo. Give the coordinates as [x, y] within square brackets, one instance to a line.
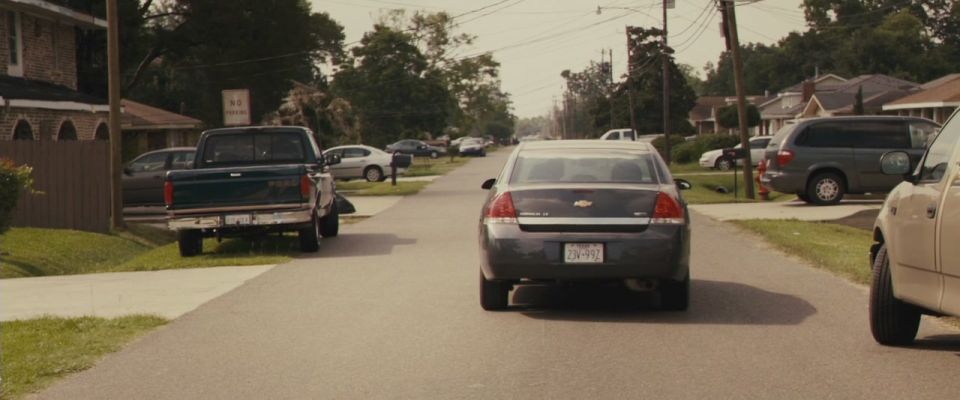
[735, 154]
[398, 160]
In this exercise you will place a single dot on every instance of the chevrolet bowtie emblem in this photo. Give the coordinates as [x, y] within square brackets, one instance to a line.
[582, 203]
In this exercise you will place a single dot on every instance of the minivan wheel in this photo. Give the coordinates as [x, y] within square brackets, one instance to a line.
[373, 174]
[494, 295]
[825, 189]
[892, 322]
[724, 164]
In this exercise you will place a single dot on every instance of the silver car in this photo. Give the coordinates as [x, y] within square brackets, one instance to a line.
[359, 161]
[585, 210]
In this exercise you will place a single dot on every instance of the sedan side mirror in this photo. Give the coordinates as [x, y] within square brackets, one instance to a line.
[487, 184]
[683, 184]
[895, 163]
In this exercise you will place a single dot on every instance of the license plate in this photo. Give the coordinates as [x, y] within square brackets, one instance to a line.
[237, 219]
[583, 253]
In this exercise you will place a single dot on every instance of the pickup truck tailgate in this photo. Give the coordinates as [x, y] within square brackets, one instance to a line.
[256, 187]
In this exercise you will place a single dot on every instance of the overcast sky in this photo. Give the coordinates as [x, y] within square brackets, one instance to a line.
[534, 40]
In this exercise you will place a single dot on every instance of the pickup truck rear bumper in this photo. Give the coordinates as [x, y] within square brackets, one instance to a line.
[240, 220]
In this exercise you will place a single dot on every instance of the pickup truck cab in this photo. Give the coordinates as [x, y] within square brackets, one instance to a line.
[915, 257]
[252, 181]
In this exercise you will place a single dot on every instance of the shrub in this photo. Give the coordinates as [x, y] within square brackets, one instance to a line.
[660, 143]
[690, 151]
[13, 180]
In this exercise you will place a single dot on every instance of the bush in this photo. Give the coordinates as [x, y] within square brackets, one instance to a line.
[660, 142]
[13, 180]
[690, 151]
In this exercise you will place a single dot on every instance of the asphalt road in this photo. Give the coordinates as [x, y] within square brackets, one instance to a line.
[390, 310]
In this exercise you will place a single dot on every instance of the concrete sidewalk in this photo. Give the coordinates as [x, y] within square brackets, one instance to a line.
[784, 210]
[168, 293]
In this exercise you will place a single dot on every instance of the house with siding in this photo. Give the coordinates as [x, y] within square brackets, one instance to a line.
[38, 74]
[877, 90]
[789, 102]
[936, 100]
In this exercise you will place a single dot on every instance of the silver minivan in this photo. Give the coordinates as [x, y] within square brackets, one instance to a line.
[822, 159]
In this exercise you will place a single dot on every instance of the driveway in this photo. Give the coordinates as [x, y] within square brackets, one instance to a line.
[785, 210]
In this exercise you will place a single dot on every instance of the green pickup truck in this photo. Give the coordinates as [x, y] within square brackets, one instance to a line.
[252, 181]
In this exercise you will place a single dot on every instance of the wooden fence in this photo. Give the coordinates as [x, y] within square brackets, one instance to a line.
[74, 178]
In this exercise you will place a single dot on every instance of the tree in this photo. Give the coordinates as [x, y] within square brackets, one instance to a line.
[392, 89]
[645, 80]
[729, 118]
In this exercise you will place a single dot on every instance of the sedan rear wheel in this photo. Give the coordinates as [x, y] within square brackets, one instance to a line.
[674, 295]
[373, 174]
[892, 322]
[494, 295]
[724, 164]
[434, 154]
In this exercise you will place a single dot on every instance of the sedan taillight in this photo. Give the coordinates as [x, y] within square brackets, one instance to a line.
[501, 210]
[168, 193]
[667, 211]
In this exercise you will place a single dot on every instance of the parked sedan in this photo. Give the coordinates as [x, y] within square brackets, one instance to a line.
[715, 158]
[142, 180]
[473, 146]
[359, 161]
[585, 210]
[416, 148]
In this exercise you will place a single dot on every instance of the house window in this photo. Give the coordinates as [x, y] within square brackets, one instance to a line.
[14, 44]
[23, 131]
[103, 133]
[67, 131]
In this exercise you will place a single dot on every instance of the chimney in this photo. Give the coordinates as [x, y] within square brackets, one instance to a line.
[809, 88]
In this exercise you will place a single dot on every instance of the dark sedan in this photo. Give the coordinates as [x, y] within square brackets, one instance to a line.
[415, 147]
[142, 180]
[577, 211]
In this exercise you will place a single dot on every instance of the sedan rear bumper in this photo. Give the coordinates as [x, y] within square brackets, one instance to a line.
[508, 253]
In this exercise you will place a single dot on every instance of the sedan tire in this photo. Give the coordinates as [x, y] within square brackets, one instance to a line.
[494, 295]
[724, 164]
[675, 296]
[892, 322]
[190, 242]
[373, 174]
[434, 154]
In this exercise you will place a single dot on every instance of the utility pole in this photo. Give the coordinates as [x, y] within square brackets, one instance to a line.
[610, 87]
[741, 97]
[630, 67]
[666, 84]
[116, 147]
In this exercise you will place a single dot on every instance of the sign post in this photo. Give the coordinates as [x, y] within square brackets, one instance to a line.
[236, 107]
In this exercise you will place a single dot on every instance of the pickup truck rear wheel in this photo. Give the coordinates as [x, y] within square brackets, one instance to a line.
[330, 224]
[892, 322]
[310, 237]
[190, 242]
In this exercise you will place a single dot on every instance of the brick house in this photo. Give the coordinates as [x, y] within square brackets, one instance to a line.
[38, 85]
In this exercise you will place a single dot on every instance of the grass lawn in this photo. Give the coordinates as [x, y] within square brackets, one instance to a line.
[46, 252]
[36, 352]
[424, 166]
[840, 249]
[687, 168]
[363, 188]
[704, 190]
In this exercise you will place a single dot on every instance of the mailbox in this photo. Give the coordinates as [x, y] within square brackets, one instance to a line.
[735, 154]
[401, 160]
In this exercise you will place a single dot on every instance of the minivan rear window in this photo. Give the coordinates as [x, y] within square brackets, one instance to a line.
[859, 134]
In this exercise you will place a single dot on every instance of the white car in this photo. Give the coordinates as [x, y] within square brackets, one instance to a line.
[473, 146]
[619, 134]
[916, 260]
[359, 161]
[715, 159]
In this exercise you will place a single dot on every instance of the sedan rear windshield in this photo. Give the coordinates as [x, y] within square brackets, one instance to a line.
[602, 166]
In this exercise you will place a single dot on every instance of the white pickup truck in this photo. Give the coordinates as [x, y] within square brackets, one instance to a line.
[915, 258]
